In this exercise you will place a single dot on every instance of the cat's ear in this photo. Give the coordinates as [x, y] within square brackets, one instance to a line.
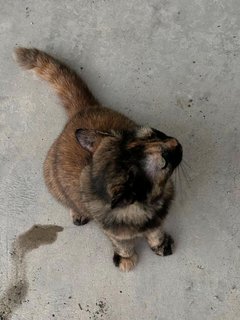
[88, 138]
[124, 194]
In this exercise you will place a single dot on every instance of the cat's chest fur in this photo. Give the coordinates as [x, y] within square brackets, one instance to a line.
[134, 214]
[129, 220]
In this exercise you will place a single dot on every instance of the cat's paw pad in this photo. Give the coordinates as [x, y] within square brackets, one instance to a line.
[80, 221]
[125, 264]
[166, 247]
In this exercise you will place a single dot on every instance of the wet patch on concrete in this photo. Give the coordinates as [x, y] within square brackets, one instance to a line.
[16, 292]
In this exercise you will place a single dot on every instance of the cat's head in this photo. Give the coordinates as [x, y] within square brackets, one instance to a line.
[126, 166]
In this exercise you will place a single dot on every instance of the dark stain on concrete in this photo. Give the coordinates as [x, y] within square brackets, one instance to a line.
[99, 311]
[184, 102]
[3, 98]
[16, 292]
[27, 12]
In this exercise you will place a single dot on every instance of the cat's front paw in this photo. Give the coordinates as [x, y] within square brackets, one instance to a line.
[125, 264]
[166, 247]
[78, 219]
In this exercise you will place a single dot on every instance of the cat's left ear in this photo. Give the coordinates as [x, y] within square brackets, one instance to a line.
[88, 138]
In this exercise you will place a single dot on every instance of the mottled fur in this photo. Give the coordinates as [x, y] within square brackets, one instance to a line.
[105, 167]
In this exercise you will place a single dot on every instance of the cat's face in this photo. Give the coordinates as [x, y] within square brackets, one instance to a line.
[127, 166]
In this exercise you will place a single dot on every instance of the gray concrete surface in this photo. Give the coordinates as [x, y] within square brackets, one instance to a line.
[174, 65]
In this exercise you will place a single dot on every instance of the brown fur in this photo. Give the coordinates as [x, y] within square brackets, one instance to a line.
[110, 170]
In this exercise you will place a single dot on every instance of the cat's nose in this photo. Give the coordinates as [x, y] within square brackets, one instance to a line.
[173, 152]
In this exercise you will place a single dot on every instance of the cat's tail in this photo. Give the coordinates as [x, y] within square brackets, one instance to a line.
[73, 92]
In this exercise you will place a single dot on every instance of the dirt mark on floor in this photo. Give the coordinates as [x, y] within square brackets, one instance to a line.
[97, 312]
[16, 291]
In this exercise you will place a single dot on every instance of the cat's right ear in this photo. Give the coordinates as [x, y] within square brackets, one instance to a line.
[88, 138]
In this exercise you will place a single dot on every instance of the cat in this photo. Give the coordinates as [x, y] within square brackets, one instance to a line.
[105, 167]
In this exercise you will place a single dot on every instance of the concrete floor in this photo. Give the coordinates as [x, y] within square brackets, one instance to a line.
[174, 65]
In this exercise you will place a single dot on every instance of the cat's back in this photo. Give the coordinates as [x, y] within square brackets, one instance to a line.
[66, 158]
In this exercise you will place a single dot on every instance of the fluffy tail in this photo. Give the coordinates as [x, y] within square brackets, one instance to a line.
[70, 88]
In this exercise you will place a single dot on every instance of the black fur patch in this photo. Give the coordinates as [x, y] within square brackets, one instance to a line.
[167, 245]
[157, 218]
[152, 223]
[116, 259]
[138, 184]
[159, 135]
[126, 162]
[81, 221]
[165, 248]
[174, 156]
[99, 183]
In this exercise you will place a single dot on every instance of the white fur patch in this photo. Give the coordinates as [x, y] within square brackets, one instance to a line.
[153, 164]
[144, 132]
[133, 213]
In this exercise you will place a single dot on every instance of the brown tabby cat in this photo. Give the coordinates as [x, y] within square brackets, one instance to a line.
[105, 167]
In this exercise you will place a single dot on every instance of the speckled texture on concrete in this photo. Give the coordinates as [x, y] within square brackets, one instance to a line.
[174, 65]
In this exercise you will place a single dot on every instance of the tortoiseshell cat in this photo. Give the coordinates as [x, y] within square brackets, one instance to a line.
[105, 167]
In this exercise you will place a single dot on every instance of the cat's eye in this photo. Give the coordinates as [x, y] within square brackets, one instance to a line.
[164, 164]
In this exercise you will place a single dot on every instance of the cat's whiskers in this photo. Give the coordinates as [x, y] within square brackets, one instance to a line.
[180, 185]
[187, 168]
[185, 176]
[182, 181]
[175, 178]
[184, 162]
